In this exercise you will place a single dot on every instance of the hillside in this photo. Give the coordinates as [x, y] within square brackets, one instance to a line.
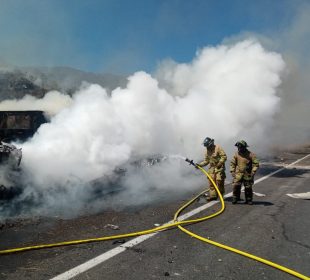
[16, 85]
[37, 81]
[69, 79]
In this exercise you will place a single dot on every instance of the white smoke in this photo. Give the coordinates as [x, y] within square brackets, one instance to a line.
[226, 92]
[292, 126]
[52, 103]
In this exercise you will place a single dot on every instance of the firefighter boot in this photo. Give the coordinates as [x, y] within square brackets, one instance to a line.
[221, 186]
[236, 193]
[248, 196]
[212, 193]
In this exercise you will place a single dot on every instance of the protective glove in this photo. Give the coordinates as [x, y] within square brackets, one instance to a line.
[197, 165]
[252, 174]
[219, 165]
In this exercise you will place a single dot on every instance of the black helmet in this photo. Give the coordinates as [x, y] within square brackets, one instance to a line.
[241, 143]
[208, 142]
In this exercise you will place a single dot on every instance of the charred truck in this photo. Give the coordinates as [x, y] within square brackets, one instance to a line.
[14, 126]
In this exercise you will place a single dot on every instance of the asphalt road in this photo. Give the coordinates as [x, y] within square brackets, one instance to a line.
[276, 227]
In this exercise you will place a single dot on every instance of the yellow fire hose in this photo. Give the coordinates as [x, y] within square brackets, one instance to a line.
[165, 227]
[272, 264]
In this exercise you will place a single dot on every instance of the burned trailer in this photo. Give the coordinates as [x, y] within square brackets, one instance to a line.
[20, 125]
[14, 126]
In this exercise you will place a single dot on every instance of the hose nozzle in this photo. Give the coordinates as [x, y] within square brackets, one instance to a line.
[191, 162]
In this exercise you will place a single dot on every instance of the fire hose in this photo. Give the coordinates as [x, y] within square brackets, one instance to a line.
[176, 223]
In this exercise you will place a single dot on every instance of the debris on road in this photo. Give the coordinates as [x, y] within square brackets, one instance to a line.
[122, 241]
[115, 227]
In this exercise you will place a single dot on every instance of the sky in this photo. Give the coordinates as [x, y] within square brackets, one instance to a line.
[123, 36]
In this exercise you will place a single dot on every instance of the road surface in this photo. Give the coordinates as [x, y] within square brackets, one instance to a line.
[276, 227]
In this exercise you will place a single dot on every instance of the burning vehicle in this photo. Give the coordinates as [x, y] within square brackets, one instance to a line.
[114, 183]
[10, 155]
[14, 126]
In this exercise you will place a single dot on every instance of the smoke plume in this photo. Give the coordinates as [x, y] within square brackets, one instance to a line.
[227, 92]
[291, 126]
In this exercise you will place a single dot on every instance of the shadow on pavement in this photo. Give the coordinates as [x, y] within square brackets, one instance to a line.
[263, 203]
[241, 202]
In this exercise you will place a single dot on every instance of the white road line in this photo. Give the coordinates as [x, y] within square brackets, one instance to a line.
[279, 170]
[286, 166]
[305, 195]
[109, 254]
[255, 193]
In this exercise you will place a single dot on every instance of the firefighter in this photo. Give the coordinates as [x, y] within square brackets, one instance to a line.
[243, 167]
[215, 158]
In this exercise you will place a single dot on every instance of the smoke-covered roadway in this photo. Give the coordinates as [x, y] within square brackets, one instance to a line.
[276, 227]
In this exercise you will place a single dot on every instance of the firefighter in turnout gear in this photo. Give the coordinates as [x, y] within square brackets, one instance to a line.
[215, 158]
[243, 167]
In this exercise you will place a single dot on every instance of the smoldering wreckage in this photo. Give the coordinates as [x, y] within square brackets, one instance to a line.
[18, 127]
[14, 126]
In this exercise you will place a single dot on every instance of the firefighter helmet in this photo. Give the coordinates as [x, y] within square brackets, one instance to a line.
[208, 142]
[241, 143]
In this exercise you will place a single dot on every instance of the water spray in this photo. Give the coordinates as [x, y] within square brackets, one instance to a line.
[190, 161]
